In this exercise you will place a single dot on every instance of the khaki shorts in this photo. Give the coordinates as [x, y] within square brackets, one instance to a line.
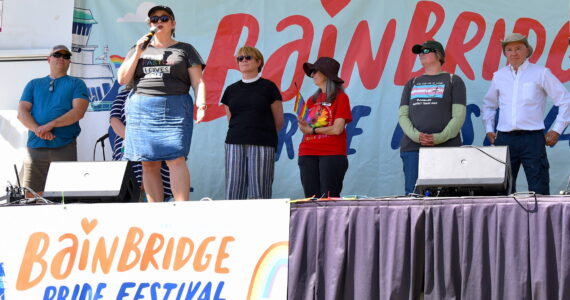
[37, 161]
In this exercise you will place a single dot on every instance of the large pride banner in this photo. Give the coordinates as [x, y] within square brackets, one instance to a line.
[372, 41]
[195, 250]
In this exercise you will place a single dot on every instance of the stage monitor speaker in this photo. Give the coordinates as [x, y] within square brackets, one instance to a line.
[464, 171]
[91, 182]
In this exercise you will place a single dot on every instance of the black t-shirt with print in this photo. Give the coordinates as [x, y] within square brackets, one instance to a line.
[430, 99]
[252, 121]
[164, 71]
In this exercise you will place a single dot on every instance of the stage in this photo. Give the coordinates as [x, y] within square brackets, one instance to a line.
[389, 248]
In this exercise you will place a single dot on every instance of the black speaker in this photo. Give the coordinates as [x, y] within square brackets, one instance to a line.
[464, 171]
[91, 182]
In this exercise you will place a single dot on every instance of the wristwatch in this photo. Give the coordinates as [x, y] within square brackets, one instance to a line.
[314, 130]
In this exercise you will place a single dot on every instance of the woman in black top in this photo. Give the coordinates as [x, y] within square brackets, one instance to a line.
[255, 114]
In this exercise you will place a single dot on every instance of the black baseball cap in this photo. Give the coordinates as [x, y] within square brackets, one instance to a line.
[161, 7]
[435, 45]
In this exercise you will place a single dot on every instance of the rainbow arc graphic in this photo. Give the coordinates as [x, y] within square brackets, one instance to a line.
[273, 262]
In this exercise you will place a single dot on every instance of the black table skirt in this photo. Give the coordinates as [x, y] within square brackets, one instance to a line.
[459, 248]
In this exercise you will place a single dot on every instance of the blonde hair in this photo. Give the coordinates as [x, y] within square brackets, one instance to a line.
[254, 53]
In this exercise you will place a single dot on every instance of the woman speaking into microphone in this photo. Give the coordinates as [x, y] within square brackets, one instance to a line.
[159, 110]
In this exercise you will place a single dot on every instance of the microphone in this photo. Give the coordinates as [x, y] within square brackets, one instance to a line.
[150, 35]
[102, 138]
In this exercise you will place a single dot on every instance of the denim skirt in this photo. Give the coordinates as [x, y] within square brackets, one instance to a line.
[158, 127]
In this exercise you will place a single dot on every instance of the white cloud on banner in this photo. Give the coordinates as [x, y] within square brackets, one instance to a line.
[140, 15]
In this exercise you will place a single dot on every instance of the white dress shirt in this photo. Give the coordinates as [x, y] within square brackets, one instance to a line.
[521, 99]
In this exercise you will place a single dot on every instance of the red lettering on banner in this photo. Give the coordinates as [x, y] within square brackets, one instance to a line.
[524, 26]
[275, 66]
[557, 51]
[417, 34]
[494, 50]
[360, 52]
[427, 19]
[222, 59]
[328, 41]
[456, 48]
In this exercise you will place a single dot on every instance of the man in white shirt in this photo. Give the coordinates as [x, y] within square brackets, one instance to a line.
[519, 90]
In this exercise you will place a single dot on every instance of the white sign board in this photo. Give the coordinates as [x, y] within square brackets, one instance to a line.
[190, 250]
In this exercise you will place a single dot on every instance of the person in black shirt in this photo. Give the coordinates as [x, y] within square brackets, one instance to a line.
[255, 114]
[432, 110]
[160, 109]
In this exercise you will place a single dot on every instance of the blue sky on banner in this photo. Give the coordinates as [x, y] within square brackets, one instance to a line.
[372, 40]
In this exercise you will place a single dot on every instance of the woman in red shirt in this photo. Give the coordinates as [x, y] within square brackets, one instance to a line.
[322, 153]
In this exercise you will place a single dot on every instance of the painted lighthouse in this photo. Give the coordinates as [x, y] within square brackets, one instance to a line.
[97, 73]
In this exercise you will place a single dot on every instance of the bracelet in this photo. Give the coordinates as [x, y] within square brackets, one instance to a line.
[203, 107]
[314, 130]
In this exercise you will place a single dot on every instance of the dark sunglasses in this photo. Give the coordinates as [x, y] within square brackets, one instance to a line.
[163, 19]
[52, 84]
[243, 57]
[60, 55]
[427, 50]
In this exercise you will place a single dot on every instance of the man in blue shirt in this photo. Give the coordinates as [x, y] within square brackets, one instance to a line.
[51, 108]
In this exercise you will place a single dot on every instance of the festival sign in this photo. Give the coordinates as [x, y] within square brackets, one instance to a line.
[192, 250]
[371, 39]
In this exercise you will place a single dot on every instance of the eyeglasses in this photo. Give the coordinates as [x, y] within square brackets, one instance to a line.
[427, 50]
[163, 19]
[60, 55]
[243, 57]
[52, 85]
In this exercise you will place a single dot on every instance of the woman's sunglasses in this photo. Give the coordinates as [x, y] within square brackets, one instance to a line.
[243, 57]
[163, 19]
[60, 55]
[427, 50]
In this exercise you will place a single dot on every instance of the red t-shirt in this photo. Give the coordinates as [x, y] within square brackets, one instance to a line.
[321, 114]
